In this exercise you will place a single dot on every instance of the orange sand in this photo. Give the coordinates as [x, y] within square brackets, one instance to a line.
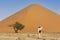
[33, 16]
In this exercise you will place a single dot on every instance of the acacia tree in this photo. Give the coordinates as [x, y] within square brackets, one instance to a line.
[17, 26]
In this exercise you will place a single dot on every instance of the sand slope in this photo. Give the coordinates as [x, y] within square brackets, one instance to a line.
[33, 16]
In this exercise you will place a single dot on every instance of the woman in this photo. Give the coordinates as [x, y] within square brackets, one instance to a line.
[39, 31]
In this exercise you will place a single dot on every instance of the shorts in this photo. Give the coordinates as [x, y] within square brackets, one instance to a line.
[39, 31]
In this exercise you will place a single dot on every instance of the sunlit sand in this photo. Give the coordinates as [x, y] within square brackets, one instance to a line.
[29, 36]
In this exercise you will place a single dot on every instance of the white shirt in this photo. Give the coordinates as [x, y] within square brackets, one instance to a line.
[40, 29]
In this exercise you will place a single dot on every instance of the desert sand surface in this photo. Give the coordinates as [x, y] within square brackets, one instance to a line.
[33, 16]
[29, 36]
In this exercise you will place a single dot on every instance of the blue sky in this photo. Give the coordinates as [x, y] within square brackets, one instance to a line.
[9, 7]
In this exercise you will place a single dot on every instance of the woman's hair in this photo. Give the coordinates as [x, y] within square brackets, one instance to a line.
[39, 27]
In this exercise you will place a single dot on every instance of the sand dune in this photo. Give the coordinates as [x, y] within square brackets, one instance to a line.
[33, 16]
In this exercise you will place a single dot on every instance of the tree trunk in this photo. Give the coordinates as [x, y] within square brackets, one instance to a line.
[16, 31]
